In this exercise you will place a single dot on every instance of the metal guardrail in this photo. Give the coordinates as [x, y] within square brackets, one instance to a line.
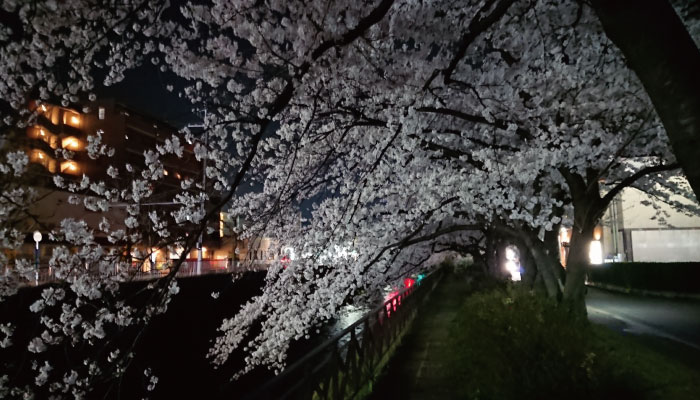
[45, 274]
[189, 268]
[343, 365]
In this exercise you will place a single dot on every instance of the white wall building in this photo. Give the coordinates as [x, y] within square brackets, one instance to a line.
[637, 227]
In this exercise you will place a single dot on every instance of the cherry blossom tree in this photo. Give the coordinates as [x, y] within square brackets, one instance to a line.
[402, 128]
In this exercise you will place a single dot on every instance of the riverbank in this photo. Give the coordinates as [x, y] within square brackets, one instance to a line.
[173, 346]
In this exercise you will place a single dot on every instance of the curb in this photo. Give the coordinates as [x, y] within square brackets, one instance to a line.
[644, 292]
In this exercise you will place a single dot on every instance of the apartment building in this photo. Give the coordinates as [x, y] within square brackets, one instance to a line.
[129, 132]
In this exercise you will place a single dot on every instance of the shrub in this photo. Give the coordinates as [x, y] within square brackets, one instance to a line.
[672, 277]
[517, 345]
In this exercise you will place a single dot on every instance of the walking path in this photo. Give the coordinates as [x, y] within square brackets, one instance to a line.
[416, 372]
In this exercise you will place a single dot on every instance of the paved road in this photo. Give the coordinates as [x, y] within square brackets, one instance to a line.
[676, 321]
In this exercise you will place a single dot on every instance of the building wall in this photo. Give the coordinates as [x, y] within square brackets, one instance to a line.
[640, 216]
[666, 245]
[633, 228]
[129, 133]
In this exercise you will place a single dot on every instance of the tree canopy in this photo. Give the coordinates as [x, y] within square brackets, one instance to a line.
[368, 136]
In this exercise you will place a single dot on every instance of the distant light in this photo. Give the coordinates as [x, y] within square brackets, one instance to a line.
[564, 235]
[41, 156]
[75, 120]
[41, 132]
[43, 107]
[597, 233]
[37, 236]
[165, 172]
[595, 252]
[512, 264]
[408, 282]
[391, 295]
[514, 269]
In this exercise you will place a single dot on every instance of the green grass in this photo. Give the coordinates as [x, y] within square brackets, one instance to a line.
[655, 375]
[507, 344]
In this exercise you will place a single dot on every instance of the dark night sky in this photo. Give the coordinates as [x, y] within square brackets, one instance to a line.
[144, 90]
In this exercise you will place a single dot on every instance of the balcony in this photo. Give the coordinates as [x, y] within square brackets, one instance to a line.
[70, 167]
[39, 132]
[37, 156]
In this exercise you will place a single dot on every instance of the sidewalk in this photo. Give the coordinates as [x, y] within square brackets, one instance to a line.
[416, 371]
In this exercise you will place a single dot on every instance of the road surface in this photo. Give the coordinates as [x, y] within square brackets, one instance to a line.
[671, 326]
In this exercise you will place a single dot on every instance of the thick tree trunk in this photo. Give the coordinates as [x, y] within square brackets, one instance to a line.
[575, 287]
[528, 263]
[546, 266]
[588, 209]
[493, 255]
[659, 49]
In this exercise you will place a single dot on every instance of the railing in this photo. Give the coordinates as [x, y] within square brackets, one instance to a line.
[189, 268]
[45, 274]
[344, 366]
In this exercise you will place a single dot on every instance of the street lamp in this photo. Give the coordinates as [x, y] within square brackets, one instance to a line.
[37, 238]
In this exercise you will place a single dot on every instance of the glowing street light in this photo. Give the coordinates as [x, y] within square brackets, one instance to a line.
[37, 238]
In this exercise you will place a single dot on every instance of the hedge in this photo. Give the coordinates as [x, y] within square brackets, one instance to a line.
[682, 277]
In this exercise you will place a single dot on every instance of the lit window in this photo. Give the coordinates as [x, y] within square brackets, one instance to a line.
[39, 157]
[70, 167]
[54, 114]
[71, 118]
[41, 133]
[101, 113]
[72, 143]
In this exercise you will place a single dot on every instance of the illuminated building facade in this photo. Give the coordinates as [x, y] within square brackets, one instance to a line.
[125, 130]
[129, 133]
